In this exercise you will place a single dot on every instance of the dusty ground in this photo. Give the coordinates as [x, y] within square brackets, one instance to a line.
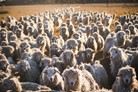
[119, 9]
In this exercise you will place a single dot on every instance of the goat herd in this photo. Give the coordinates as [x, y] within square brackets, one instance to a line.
[86, 55]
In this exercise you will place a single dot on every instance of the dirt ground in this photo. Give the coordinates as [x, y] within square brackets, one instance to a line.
[18, 11]
[118, 9]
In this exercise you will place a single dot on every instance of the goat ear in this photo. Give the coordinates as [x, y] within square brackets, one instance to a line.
[40, 64]
[29, 67]
[18, 65]
[118, 75]
[82, 67]
[65, 74]
[133, 72]
[109, 51]
[43, 76]
[76, 67]
[57, 70]
[68, 66]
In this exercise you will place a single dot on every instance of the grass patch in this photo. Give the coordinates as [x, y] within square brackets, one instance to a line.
[4, 12]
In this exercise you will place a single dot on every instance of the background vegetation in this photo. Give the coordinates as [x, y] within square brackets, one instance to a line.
[21, 2]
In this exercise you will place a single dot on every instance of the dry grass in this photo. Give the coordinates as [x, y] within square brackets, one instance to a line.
[118, 9]
[18, 11]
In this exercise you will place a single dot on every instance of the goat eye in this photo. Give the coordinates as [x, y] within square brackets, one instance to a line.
[119, 51]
